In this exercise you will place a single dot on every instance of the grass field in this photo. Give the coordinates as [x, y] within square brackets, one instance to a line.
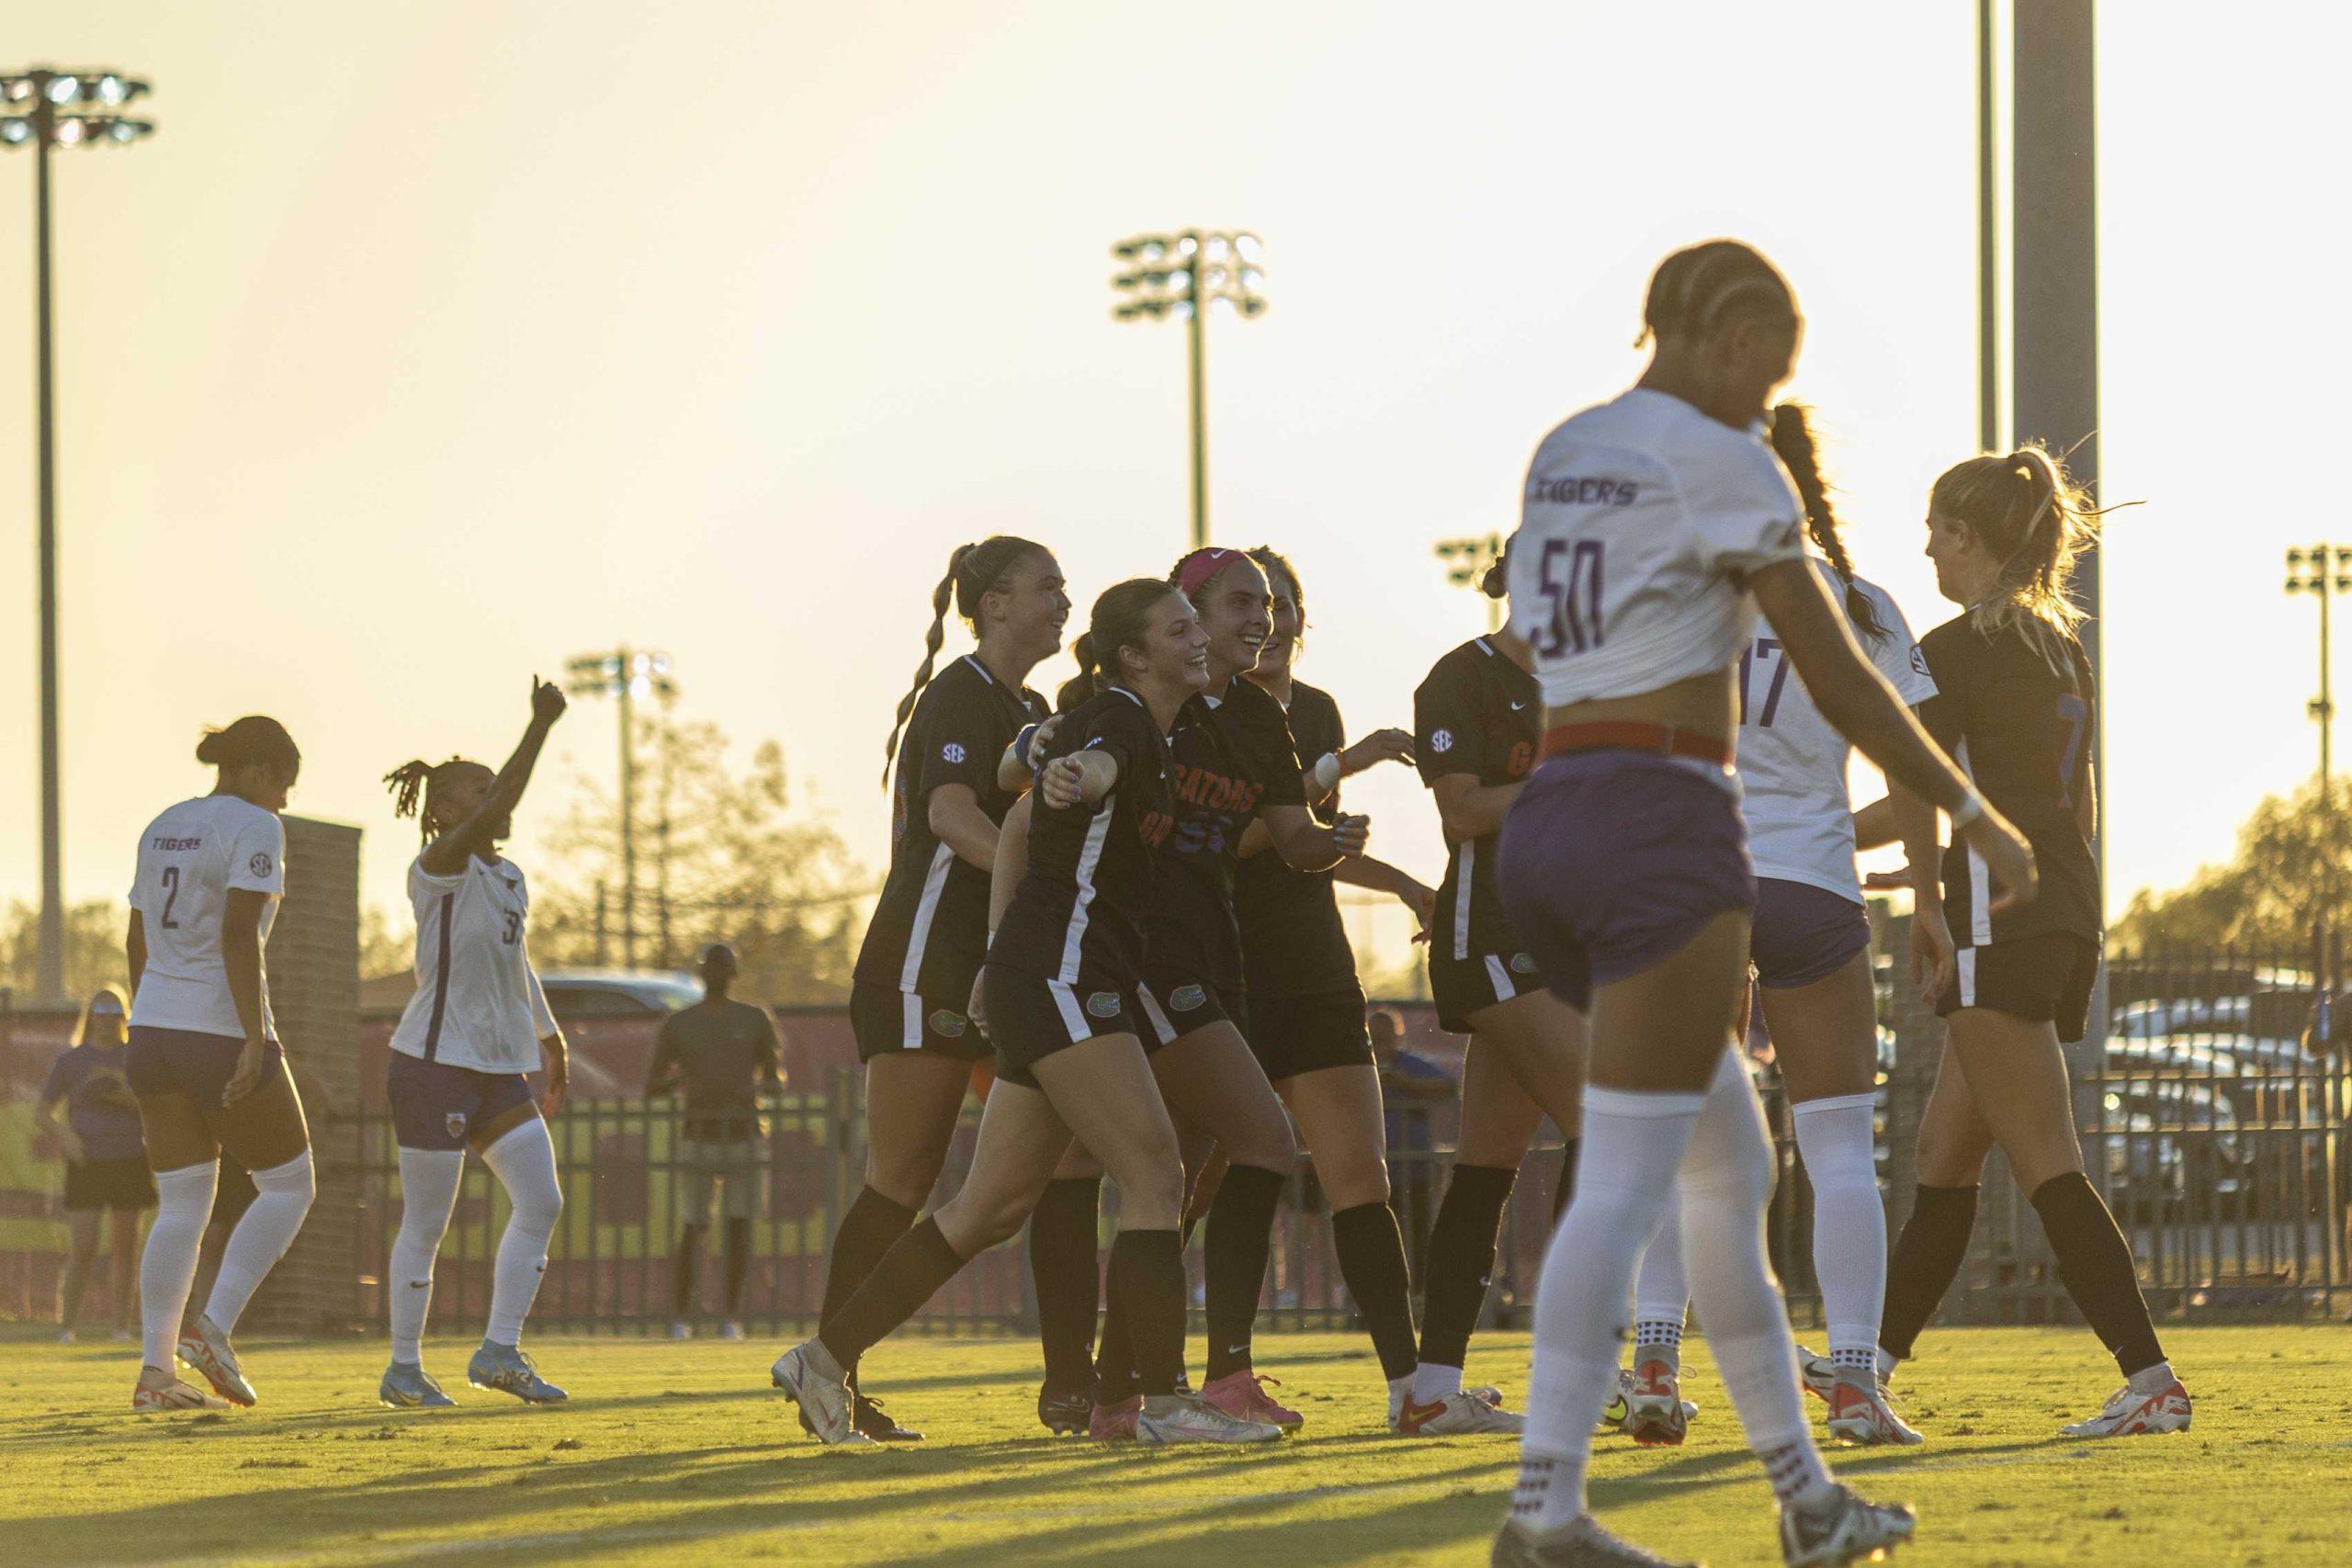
[677, 1453]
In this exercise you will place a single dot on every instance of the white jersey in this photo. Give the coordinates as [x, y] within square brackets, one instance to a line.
[189, 858]
[1792, 762]
[478, 1003]
[1638, 516]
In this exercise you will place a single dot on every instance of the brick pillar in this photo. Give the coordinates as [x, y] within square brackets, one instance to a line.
[314, 963]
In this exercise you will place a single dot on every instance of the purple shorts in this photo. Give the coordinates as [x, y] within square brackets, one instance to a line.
[1804, 933]
[437, 1106]
[1611, 861]
[181, 1061]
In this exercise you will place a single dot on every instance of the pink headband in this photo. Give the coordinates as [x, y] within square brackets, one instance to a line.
[1195, 571]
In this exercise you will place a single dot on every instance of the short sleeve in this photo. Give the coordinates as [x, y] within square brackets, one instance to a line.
[542, 1017]
[1898, 655]
[1945, 715]
[962, 740]
[1262, 733]
[1446, 731]
[1743, 509]
[257, 854]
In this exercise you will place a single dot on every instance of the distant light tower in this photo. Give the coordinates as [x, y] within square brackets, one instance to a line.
[1182, 275]
[42, 108]
[1466, 564]
[2307, 571]
[625, 675]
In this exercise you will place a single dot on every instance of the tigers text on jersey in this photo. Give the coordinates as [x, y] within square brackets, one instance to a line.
[189, 859]
[1475, 712]
[2022, 732]
[1230, 759]
[1639, 518]
[477, 1002]
[1081, 905]
[930, 928]
[1292, 943]
[1792, 761]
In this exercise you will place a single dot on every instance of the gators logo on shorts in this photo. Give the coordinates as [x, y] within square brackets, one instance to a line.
[455, 1123]
[261, 862]
[1103, 1004]
[1522, 964]
[1185, 998]
[950, 1024]
[1442, 741]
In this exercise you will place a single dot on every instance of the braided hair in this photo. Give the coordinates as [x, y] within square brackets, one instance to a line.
[1697, 289]
[412, 784]
[973, 571]
[2035, 521]
[1792, 439]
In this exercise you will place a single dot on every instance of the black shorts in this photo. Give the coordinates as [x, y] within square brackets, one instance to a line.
[1803, 933]
[1031, 1017]
[1174, 1003]
[886, 1019]
[1291, 1035]
[2043, 979]
[1461, 987]
[123, 1183]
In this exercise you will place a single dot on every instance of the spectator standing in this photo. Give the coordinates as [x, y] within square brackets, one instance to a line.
[105, 1162]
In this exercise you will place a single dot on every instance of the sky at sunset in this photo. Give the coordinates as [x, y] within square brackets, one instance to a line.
[426, 345]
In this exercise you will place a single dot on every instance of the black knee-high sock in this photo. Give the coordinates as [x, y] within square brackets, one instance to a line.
[873, 1225]
[684, 1268]
[739, 1260]
[2095, 1265]
[906, 1276]
[1064, 1264]
[1241, 1235]
[1114, 1362]
[1372, 1261]
[1461, 1260]
[1564, 1191]
[1148, 1278]
[1925, 1261]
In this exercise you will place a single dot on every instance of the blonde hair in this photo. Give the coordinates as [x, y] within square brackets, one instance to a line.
[82, 1024]
[2036, 522]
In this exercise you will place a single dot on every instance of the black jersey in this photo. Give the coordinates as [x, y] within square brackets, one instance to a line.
[1231, 759]
[930, 928]
[1292, 943]
[2022, 732]
[1476, 713]
[1081, 905]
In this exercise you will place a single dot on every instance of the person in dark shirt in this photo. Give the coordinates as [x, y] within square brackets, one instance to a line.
[722, 1054]
[910, 1003]
[106, 1161]
[2015, 705]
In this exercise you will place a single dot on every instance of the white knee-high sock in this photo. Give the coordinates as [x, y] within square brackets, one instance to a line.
[1848, 1224]
[1726, 1182]
[429, 1179]
[524, 1162]
[1632, 1141]
[1662, 1290]
[168, 1267]
[282, 1197]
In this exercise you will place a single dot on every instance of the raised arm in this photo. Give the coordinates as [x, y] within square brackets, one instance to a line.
[1306, 845]
[447, 855]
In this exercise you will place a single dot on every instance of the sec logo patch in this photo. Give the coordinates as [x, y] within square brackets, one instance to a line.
[1442, 741]
[1522, 964]
[1918, 658]
[949, 1025]
[1185, 998]
[260, 863]
[952, 752]
[1103, 1004]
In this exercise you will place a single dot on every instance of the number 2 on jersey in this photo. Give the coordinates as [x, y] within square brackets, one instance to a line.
[1573, 624]
[171, 895]
[1765, 649]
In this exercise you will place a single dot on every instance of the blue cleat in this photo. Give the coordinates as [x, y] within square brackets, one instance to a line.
[507, 1370]
[405, 1387]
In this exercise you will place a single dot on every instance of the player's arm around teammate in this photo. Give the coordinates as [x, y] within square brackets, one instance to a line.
[204, 1061]
[474, 1029]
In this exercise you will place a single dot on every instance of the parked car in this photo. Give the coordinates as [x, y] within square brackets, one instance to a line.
[618, 993]
[2171, 1146]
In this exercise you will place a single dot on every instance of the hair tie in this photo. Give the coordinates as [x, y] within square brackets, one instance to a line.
[1196, 570]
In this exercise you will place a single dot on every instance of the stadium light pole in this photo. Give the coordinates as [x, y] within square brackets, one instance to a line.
[42, 108]
[1466, 561]
[625, 674]
[2323, 571]
[1182, 275]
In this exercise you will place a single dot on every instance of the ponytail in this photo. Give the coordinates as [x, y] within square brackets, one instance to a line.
[1087, 682]
[973, 572]
[1792, 440]
[2025, 511]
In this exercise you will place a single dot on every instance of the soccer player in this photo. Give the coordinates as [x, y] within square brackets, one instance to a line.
[205, 1062]
[2015, 701]
[1065, 956]
[910, 1002]
[476, 1024]
[105, 1166]
[723, 1052]
[1810, 945]
[1655, 525]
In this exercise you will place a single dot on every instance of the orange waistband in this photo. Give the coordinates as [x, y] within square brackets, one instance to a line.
[1657, 739]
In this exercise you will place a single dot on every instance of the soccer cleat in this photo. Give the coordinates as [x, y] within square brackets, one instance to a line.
[1487, 1393]
[505, 1367]
[1654, 1415]
[1867, 1417]
[1064, 1412]
[1817, 1373]
[1612, 1415]
[2130, 1414]
[207, 1350]
[1243, 1396]
[1458, 1414]
[157, 1399]
[1115, 1423]
[1842, 1527]
[407, 1387]
[825, 1400]
[1580, 1543]
[1190, 1418]
[730, 1329]
[870, 1419]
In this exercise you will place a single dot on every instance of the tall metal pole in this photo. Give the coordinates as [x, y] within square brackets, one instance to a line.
[1196, 336]
[50, 982]
[629, 818]
[2325, 709]
[1989, 237]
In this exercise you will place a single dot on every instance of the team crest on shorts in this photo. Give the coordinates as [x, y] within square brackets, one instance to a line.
[1103, 1004]
[454, 1123]
[261, 862]
[950, 1024]
[1185, 998]
[1442, 741]
[1523, 964]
